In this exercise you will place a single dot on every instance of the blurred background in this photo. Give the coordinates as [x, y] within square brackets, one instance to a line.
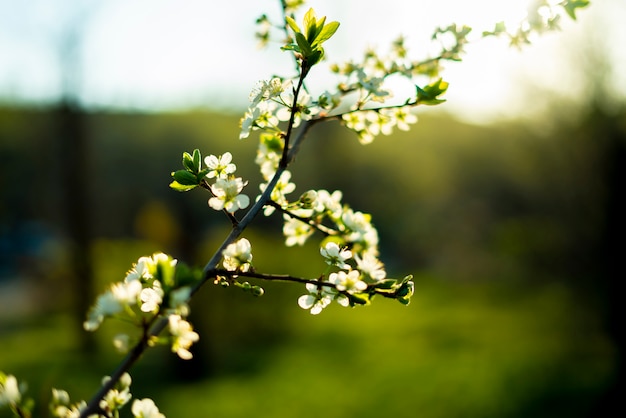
[506, 204]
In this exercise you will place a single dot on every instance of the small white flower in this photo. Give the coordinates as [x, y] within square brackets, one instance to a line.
[265, 90]
[348, 282]
[360, 229]
[60, 397]
[282, 188]
[317, 299]
[115, 399]
[373, 85]
[370, 266]
[354, 121]
[296, 231]
[335, 256]
[9, 391]
[380, 123]
[403, 117]
[331, 203]
[266, 117]
[151, 297]
[238, 255]
[184, 336]
[126, 292]
[107, 304]
[226, 195]
[308, 199]
[220, 166]
[143, 269]
[145, 408]
[74, 411]
[248, 121]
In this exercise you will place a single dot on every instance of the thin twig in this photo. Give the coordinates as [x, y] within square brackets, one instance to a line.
[322, 228]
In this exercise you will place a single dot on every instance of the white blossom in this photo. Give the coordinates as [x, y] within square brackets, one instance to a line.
[238, 255]
[348, 282]
[220, 166]
[296, 231]
[9, 391]
[227, 195]
[151, 297]
[317, 299]
[145, 408]
[370, 266]
[184, 336]
[335, 256]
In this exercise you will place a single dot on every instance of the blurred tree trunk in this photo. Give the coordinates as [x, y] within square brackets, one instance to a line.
[73, 157]
[611, 135]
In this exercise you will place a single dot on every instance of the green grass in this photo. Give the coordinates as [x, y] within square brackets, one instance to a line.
[480, 349]
[457, 351]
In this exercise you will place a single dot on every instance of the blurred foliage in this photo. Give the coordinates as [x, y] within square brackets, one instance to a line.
[502, 225]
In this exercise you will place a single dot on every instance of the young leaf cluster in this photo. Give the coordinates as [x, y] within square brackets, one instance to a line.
[310, 38]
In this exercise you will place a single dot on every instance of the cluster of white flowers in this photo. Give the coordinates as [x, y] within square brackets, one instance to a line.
[271, 102]
[269, 154]
[148, 289]
[61, 407]
[367, 124]
[353, 228]
[118, 396]
[352, 278]
[227, 188]
[110, 404]
[140, 289]
[283, 187]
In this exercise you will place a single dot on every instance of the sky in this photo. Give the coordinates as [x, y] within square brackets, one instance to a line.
[154, 55]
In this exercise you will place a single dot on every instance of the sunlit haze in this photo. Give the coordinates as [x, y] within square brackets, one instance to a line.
[161, 54]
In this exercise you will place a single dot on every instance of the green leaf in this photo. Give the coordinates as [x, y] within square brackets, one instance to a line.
[181, 187]
[197, 160]
[571, 6]
[326, 33]
[385, 284]
[186, 276]
[309, 22]
[202, 174]
[319, 25]
[166, 274]
[499, 29]
[405, 291]
[315, 57]
[291, 47]
[188, 161]
[185, 177]
[359, 299]
[404, 300]
[429, 94]
[304, 45]
[292, 24]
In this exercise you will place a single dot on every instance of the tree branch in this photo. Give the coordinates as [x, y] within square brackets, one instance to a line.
[322, 228]
[272, 277]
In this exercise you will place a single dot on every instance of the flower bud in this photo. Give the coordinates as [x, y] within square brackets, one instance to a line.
[308, 199]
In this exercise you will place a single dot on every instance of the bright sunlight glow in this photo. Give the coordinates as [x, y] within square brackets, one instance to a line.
[160, 54]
